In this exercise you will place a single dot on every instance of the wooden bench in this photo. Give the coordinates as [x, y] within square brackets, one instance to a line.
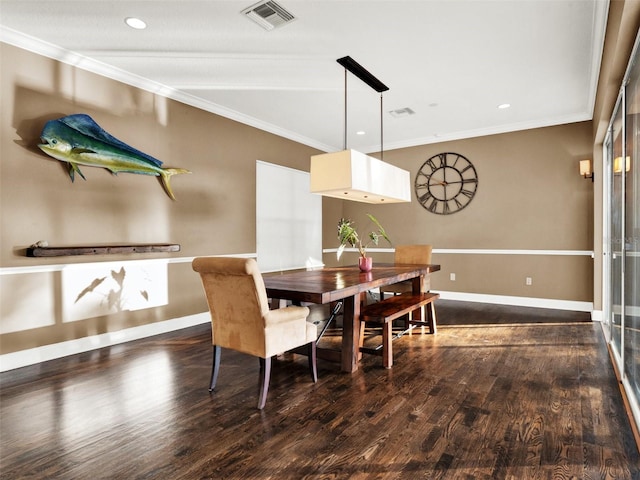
[384, 312]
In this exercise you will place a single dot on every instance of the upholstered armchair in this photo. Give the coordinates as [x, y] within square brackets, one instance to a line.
[415, 254]
[241, 319]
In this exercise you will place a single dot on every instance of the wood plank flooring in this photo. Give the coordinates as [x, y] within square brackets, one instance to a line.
[498, 393]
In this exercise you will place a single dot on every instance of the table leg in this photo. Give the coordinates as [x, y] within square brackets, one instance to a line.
[417, 283]
[351, 333]
[275, 303]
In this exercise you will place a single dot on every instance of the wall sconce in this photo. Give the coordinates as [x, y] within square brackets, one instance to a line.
[617, 164]
[585, 169]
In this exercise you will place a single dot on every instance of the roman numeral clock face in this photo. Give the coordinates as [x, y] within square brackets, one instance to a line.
[446, 183]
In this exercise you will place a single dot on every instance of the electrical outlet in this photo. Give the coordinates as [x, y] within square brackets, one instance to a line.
[452, 277]
[528, 281]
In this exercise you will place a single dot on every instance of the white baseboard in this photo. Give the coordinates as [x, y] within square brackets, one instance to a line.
[31, 356]
[23, 358]
[518, 301]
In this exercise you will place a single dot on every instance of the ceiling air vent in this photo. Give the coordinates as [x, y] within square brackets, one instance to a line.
[268, 14]
[402, 112]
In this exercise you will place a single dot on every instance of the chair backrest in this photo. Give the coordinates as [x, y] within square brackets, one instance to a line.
[237, 301]
[413, 254]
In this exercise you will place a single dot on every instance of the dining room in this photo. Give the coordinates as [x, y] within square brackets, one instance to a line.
[105, 330]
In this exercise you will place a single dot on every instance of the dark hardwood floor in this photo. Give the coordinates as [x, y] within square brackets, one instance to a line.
[498, 393]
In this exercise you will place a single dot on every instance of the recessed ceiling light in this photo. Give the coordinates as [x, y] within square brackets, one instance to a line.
[136, 23]
[361, 132]
[502, 106]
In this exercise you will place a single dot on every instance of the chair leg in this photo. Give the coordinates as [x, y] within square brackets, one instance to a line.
[265, 374]
[362, 332]
[312, 361]
[215, 367]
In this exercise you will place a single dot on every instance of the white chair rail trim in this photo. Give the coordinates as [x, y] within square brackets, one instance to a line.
[59, 267]
[455, 251]
[481, 251]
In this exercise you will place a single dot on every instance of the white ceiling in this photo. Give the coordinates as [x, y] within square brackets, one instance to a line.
[451, 61]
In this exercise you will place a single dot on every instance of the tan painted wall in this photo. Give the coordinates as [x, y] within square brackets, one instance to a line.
[214, 212]
[530, 196]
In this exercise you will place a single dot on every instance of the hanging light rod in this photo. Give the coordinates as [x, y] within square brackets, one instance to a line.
[362, 73]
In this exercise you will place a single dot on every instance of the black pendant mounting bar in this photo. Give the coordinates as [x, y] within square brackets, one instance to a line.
[362, 73]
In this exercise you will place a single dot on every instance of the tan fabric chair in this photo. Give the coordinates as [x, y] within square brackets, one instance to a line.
[420, 254]
[241, 319]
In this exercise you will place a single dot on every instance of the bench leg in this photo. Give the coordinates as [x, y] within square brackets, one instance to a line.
[412, 317]
[387, 349]
[431, 317]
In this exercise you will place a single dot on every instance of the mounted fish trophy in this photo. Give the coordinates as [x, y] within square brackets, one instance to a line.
[79, 140]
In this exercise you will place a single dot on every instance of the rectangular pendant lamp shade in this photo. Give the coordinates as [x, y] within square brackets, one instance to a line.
[351, 175]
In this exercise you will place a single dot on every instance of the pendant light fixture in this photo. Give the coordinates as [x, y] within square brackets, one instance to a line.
[351, 175]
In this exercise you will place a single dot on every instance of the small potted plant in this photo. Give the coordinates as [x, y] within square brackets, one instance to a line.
[348, 235]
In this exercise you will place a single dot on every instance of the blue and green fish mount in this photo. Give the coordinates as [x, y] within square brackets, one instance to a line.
[79, 140]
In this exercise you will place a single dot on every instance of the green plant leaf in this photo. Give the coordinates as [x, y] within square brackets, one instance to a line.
[381, 230]
[348, 235]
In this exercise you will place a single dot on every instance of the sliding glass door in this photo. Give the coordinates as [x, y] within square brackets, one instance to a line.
[622, 237]
[629, 173]
[615, 230]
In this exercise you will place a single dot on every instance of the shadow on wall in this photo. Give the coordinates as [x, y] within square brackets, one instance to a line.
[29, 132]
[114, 298]
[82, 292]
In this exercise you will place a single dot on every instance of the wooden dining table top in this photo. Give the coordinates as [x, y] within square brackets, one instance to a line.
[329, 284]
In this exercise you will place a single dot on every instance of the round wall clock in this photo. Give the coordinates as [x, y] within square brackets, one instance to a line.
[446, 183]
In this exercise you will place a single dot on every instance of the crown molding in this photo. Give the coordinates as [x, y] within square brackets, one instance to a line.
[40, 47]
[481, 132]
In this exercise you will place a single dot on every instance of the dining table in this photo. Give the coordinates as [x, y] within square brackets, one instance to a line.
[348, 284]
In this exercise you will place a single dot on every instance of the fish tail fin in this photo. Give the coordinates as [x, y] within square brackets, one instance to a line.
[165, 176]
[73, 168]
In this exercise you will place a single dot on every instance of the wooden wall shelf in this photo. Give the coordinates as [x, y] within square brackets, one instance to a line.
[101, 250]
